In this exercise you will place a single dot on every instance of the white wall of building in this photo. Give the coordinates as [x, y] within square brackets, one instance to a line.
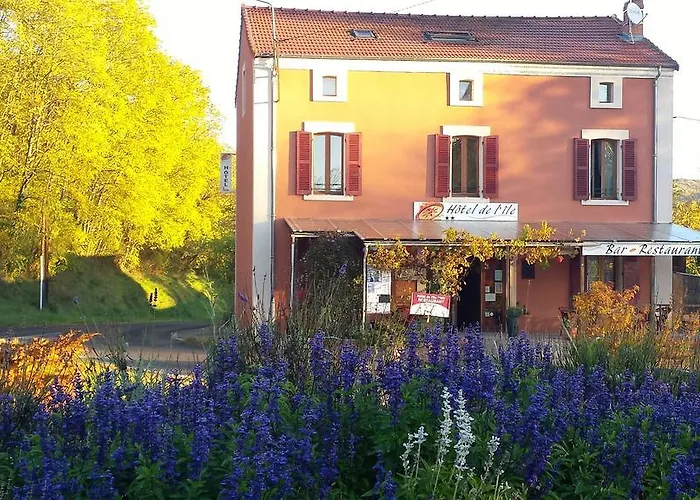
[262, 178]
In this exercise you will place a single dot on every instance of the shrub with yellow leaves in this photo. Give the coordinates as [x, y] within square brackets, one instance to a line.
[678, 342]
[31, 368]
[607, 321]
[605, 312]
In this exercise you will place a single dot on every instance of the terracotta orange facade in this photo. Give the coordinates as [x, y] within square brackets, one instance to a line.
[395, 108]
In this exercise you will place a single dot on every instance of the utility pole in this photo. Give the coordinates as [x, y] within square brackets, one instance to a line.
[43, 266]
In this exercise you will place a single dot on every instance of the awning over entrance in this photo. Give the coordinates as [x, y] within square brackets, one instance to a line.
[580, 233]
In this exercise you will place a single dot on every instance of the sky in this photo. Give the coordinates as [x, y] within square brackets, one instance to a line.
[205, 33]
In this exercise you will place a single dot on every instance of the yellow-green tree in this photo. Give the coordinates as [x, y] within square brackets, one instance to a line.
[102, 135]
[687, 213]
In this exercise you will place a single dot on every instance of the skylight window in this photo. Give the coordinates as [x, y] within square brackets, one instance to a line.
[363, 34]
[449, 36]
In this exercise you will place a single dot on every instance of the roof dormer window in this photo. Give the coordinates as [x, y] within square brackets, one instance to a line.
[449, 36]
[363, 34]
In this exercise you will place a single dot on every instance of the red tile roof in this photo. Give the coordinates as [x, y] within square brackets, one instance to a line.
[545, 40]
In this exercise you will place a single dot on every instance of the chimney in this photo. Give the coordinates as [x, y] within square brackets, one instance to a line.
[633, 32]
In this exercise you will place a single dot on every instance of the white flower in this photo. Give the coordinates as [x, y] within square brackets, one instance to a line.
[420, 435]
[406, 455]
[445, 427]
[465, 436]
[492, 447]
[413, 439]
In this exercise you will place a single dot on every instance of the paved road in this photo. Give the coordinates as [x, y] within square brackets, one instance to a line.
[157, 345]
[169, 345]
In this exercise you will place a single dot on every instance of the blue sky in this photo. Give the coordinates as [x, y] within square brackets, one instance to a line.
[204, 34]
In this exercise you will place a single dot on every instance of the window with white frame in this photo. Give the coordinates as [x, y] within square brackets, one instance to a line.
[329, 84]
[605, 169]
[466, 88]
[327, 158]
[606, 92]
[466, 165]
[466, 162]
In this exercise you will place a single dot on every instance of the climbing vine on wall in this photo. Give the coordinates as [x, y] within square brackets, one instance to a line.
[458, 250]
[449, 261]
[391, 257]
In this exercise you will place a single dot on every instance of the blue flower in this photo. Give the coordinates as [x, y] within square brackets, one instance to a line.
[392, 380]
[684, 477]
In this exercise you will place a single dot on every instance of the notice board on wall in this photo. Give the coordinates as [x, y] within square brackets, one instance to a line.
[378, 291]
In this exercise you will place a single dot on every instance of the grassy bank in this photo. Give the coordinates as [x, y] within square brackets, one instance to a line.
[95, 290]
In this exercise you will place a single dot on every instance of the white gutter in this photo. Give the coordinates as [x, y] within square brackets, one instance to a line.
[273, 180]
[365, 250]
[655, 155]
[654, 191]
[273, 164]
[293, 253]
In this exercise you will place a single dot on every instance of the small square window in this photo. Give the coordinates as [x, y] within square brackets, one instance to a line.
[330, 86]
[466, 90]
[527, 271]
[606, 92]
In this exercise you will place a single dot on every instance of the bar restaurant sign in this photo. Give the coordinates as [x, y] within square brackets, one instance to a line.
[474, 211]
[629, 249]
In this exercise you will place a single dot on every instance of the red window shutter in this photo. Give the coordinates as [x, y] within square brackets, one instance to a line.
[629, 170]
[353, 164]
[491, 166]
[443, 144]
[582, 160]
[303, 161]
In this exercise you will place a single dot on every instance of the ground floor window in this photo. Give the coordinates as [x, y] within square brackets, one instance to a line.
[604, 269]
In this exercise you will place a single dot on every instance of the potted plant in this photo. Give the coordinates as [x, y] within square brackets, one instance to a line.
[512, 315]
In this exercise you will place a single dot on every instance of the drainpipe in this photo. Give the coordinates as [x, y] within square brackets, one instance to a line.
[364, 284]
[655, 197]
[656, 144]
[293, 252]
[273, 180]
[273, 167]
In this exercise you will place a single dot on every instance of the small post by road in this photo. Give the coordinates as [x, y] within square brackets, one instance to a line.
[43, 261]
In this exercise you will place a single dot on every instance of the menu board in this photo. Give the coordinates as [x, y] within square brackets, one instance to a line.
[378, 291]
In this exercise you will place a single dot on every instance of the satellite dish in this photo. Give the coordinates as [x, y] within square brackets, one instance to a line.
[634, 13]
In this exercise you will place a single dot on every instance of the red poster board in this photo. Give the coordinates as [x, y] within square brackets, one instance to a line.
[430, 304]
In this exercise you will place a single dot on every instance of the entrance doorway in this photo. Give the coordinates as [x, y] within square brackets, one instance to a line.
[469, 304]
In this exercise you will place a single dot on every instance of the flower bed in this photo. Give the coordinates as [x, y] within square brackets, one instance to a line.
[452, 423]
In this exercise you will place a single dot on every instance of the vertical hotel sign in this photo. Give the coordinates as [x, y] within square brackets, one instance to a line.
[226, 173]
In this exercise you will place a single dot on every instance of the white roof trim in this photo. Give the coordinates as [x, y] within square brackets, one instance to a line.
[393, 66]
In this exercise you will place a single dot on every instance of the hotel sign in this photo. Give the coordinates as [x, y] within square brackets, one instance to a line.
[468, 211]
[629, 249]
[226, 173]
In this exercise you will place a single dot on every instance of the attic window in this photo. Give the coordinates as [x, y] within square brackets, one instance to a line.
[363, 34]
[606, 92]
[449, 36]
